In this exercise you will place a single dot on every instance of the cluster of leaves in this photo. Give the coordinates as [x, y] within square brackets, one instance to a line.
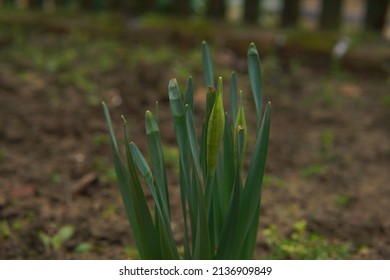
[220, 210]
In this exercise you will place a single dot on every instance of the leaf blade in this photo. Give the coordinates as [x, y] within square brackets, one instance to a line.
[255, 79]
[207, 65]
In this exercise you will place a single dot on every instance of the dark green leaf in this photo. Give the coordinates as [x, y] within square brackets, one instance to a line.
[255, 79]
[207, 65]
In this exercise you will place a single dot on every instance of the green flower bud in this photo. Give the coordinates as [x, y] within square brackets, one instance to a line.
[215, 130]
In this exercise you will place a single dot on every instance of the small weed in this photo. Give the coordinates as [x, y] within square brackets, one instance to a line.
[83, 247]
[99, 139]
[18, 225]
[107, 172]
[327, 144]
[342, 201]
[8, 230]
[131, 253]
[314, 170]
[327, 140]
[55, 178]
[5, 231]
[386, 100]
[109, 176]
[327, 96]
[110, 211]
[303, 244]
[31, 216]
[3, 154]
[55, 243]
[271, 181]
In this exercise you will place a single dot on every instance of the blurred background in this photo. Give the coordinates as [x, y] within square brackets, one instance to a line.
[326, 70]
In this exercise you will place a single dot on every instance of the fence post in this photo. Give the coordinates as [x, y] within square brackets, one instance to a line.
[290, 12]
[251, 10]
[330, 14]
[375, 17]
[216, 8]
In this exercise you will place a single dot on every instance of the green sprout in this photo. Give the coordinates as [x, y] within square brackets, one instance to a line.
[54, 243]
[220, 208]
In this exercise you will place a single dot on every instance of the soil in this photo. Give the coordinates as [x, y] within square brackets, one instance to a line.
[328, 161]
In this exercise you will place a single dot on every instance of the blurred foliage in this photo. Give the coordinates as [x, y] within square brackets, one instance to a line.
[342, 201]
[273, 181]
[313, 170]
[55, 243]
[303, 245]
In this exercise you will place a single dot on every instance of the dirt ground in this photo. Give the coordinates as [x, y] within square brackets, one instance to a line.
[326, 194]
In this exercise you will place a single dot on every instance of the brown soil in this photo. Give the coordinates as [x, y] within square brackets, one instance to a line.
[329, 150]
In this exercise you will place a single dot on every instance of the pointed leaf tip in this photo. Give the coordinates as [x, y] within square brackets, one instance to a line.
[151, 124]
[252, 50]
[172, 82]
[123, 120]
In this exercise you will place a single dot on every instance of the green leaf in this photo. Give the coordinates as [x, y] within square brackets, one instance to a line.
[233, 95]
[45, 239]
[156, 155]
[193, 140]
[215, 130]
[210, 100]
[220, 212]
[146, 172]
[207, 65]
[133, 198]
[251, 237]
[168, 247]
[228, 172]
[202, 249]
[83, 248]
[123, 182]
[251, 195]
[142, 218]
[252, 189]
[227, 245]
[255, 79]
[65, 233]
[189, 93]
[177, 109]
